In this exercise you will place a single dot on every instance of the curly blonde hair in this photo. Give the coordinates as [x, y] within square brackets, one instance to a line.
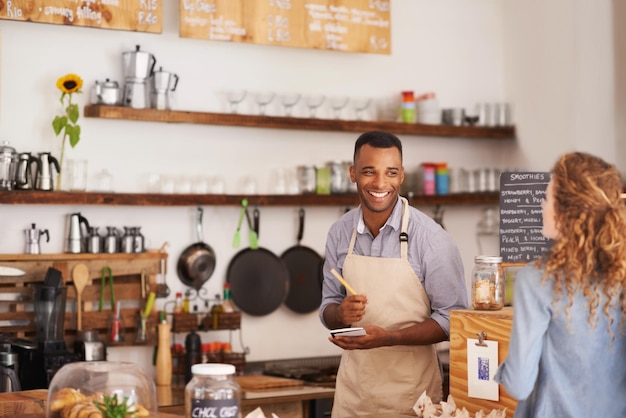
[590, 252]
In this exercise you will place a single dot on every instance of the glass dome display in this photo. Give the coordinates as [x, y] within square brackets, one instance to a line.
[88, 389]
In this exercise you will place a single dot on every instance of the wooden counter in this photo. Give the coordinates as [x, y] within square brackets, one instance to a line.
[466, 324]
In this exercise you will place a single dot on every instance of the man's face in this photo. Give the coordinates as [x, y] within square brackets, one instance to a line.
[378, 174]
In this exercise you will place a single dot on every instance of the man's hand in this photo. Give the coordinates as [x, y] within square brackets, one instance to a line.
[352, 309]
[376, 337]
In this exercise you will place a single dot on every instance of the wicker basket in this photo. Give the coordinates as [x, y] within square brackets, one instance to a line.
[184, 322]
[225, 320]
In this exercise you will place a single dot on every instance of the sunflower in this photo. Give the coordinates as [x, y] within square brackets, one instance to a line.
[69, 83]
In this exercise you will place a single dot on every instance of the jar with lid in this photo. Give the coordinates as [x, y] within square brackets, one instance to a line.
[487, 283]
[212, 392]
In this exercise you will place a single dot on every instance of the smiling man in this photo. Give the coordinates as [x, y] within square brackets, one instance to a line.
[408, 275]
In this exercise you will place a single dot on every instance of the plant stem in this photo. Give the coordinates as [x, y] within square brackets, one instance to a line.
[61, 168]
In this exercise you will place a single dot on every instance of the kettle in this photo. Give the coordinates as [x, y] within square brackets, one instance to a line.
[24, 176]
[43, 181]
[33, 235]
[75, 236]
[138, 64]
[107, 93]
[8, 164]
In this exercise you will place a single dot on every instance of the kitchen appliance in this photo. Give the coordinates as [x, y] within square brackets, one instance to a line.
[88, 347]
[43, 180]
[74, 237]
[9, 367]
[8, 166]
[24, 175]
[33, 236]
[106, 93]
[138, 67]
[163, 86]
[39, 363]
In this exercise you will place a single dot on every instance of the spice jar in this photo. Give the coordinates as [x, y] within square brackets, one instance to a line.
[487, 283]
[212, 392]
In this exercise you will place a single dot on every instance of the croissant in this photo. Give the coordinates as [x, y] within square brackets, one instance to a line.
[65, 397]
[84, 409]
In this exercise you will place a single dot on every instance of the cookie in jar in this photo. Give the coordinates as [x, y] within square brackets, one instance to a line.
[487, 283]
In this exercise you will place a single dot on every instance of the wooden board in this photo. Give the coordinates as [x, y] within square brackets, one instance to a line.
[466, 324]
[132, 15]
[340, 25]
[266, 382]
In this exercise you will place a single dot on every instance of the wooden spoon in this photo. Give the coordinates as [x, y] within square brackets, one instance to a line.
[80, 276]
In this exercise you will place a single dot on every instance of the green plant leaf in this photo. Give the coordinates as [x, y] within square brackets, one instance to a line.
[73, 131]
[62, 97]
[72, 112]
[58, 124]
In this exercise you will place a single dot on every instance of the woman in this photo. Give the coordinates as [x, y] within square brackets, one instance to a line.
[567, 353]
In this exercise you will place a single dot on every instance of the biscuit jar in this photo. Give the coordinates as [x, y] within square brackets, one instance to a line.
[212, 392]
[487, 283]
[86, 388]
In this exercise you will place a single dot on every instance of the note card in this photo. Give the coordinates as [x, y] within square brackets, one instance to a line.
[482, 364]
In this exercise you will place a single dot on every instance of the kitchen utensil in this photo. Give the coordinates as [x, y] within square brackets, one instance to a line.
[80, 276]
[253, 237]
[138, 64]
[111, 240]
[127, 242]
[305, 274]
[162, 289]
[237, 236]
[9, 369]
[11, 271]
[343, 282]
[197, 262]
[24, 176]
[74, 233]
[43, 180]
[94, 241]
[33, 235]
[138, 241]
[107, 275]
[106, 93]
[88, 346]
[8, 166]
[136, 94]
[258, 280]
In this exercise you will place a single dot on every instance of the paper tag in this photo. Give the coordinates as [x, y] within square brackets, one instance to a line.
[482, 364]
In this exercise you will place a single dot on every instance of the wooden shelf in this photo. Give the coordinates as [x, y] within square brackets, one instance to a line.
[140, 199]
[279, 122]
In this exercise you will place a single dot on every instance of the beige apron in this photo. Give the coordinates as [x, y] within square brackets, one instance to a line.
[387, 379]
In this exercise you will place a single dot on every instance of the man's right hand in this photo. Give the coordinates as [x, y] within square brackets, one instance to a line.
[352, 309]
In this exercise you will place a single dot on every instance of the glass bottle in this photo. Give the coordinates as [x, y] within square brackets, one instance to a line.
[487, 283]
[213, 392]
[216, 310]
[178, 305]
[227, 304]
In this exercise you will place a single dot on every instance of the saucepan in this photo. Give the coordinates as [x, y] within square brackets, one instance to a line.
[197, 262]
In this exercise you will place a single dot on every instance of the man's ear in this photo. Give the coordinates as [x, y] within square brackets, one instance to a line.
[352, 174]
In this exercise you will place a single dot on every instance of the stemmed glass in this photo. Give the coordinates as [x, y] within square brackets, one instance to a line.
[263, 99]
[359, 105]
[313, 102]
[338, 103]
[289, 101]
[235, 97]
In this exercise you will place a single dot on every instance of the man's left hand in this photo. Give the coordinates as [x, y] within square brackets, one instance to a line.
[376, 337]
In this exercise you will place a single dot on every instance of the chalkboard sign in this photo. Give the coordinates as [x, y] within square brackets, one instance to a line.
[521, 220]
[133, 15]
[341, 25]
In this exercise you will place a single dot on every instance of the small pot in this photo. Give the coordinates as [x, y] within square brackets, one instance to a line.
[106, 93]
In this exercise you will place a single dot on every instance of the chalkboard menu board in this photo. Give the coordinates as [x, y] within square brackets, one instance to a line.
[521, 220]
[341, 25]
[134, 15]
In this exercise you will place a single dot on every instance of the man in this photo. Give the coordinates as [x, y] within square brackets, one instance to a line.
[408, 274]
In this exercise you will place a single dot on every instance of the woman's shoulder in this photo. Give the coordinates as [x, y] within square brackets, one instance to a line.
[530, 278]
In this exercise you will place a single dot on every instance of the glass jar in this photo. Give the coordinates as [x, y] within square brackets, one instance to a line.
[212, 392]
[487, 283]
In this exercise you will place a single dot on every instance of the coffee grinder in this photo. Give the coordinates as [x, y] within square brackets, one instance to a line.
[51, 353]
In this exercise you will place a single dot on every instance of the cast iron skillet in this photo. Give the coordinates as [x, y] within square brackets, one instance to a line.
[197, 262]
[258, 279]
[305, 274]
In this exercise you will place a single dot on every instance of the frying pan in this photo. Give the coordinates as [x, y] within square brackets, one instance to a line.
[258, 279]
[305, 274]
[197, 262]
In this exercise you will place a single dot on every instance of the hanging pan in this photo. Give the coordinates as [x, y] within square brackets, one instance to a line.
[197, 262]
[258, 278]
[305, 274]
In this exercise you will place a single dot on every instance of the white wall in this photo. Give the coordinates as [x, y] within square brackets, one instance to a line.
[466, 52]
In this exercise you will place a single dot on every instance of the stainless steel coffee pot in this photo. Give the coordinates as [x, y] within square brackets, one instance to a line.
[74, 239]
[128, 240]
[107, 93]
[111, 240]
[138, 241]
[24, 176]
[138, 64]
[46, 162]
[8, 165]
[33, 236]
[94, 241]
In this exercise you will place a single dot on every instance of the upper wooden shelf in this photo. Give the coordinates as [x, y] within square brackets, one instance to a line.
[280, 122]
[141, 199]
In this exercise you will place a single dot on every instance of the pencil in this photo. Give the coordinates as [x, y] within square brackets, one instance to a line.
[343, 282]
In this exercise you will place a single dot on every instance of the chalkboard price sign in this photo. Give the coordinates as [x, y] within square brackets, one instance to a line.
[521, 220]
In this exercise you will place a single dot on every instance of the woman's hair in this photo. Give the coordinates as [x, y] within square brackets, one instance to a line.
[590, 216]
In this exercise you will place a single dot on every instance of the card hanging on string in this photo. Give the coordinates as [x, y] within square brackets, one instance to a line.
[482, 364]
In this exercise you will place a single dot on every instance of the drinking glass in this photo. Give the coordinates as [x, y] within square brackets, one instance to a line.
[313, 102]
[289, 101]
[359, 105]
[235, 97]
[263, 99]
[337, 104]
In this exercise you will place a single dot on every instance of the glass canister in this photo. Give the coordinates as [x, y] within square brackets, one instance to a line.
[213, 392]
[487, 283]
